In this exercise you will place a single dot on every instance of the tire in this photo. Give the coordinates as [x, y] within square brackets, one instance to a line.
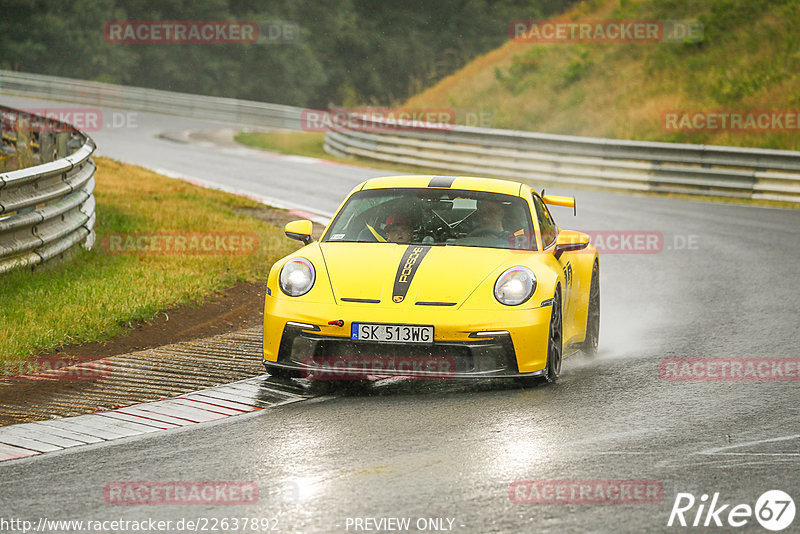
[554, 348]
[590, 342]
[281, 373]
[555, 340]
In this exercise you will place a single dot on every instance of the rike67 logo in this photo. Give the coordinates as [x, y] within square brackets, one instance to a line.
[774, 510]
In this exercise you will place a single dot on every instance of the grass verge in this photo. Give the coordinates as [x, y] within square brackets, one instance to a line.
[295, 143]
[310, 144]
[97, 294]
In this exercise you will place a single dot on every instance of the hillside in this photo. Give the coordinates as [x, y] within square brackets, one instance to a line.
[747, 60]
[310, 53]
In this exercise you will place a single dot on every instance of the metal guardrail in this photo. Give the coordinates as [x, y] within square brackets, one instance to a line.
[152, 100]
[606, 163]
[544, 158]
[47, 208]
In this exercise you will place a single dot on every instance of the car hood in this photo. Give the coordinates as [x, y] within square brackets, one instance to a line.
[391, 274]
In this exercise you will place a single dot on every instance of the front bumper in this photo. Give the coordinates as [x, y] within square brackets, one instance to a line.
[513, 343]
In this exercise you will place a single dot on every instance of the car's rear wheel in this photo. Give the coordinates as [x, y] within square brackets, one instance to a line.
[589, 345]
[555, 345]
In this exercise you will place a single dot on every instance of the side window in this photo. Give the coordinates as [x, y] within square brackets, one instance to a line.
[546, 224]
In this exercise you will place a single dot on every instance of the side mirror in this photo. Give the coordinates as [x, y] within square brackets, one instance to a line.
[300, 230]
[552, 200]
[570, 240]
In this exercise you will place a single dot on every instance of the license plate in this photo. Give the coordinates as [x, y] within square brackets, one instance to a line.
[395, 333]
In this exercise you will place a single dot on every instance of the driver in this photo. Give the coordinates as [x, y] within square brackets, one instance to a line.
[489, 216]
[398, 229]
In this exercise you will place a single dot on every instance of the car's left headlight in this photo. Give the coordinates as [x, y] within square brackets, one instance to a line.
[297, 277]
[515, 286]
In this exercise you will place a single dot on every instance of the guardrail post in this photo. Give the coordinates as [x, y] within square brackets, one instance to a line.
[24, 148]
[46, 147]
[61, 145]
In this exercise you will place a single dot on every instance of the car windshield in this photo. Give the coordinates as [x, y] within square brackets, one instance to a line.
[434, 217]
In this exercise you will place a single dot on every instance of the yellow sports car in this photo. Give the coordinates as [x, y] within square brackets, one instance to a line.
[434, 276]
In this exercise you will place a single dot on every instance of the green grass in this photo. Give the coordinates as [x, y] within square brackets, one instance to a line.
[748, 60]
[311, 144]
[95, 294]
[297, 143]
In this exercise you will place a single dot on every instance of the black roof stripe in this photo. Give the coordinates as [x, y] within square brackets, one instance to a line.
[441, 181]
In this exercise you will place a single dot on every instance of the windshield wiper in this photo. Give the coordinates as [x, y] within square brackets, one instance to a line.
[453, 225]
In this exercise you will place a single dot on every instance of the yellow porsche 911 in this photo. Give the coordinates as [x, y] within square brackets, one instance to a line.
[434, 277]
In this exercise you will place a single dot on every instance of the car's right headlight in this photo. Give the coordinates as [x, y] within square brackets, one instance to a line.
[515, 286]
[297, 277]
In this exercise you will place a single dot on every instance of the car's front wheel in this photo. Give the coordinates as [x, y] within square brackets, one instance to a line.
[555, 345]
[281, 372]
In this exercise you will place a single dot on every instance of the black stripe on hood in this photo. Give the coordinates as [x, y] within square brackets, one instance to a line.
[409, 264]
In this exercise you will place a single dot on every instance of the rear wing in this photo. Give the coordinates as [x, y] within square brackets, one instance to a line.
[552, 200]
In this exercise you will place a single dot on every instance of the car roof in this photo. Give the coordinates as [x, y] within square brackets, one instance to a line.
[469, 183]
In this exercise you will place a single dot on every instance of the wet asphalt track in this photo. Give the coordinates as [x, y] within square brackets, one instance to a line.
[420, 449]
